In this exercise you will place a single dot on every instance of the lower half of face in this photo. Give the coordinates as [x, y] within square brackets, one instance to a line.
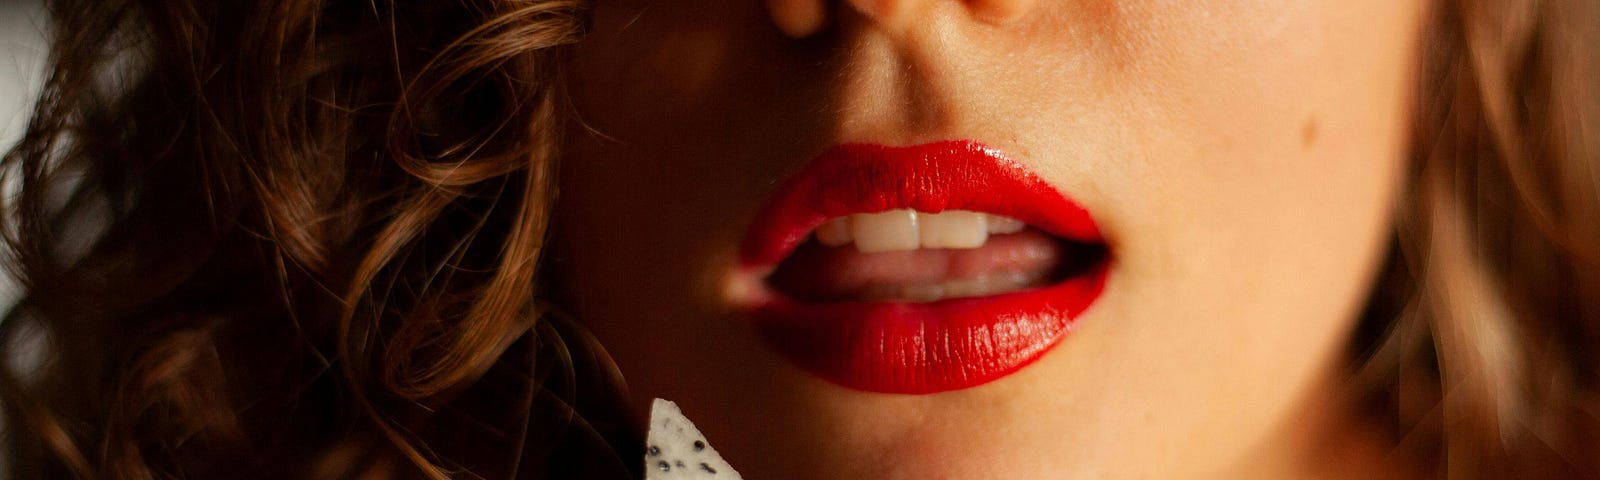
[1092, 239]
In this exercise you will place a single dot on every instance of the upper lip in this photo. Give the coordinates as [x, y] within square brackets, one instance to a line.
[864, 178]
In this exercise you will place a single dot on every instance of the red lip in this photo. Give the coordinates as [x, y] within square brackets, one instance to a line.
[917, 348]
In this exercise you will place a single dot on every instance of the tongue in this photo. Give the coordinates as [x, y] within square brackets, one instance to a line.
[817, 273]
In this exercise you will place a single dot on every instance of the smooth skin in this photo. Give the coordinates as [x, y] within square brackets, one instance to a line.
[1242, 157]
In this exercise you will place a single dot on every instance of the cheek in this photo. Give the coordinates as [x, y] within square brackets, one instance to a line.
[666, 160]
[1253, 192]
[1273, 184]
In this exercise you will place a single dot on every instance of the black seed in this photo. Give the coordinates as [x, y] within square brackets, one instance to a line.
[699, 445]
[663, 466]
[680, 464]
[655, 451]
[707, 468]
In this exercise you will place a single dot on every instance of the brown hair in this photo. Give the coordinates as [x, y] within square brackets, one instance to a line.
[301, 239]
[296, 239]
[1479, 349]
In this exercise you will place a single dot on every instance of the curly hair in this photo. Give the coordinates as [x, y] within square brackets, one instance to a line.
[302, 239]
[297, 239]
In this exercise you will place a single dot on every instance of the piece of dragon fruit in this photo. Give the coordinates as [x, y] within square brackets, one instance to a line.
[676, 449]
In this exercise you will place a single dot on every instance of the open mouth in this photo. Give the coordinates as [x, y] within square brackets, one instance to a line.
[920, 269]
[909, 256]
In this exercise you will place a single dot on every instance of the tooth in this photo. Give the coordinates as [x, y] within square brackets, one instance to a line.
[885, 232]
[952, 229]
[1002, 224]
[834, 233]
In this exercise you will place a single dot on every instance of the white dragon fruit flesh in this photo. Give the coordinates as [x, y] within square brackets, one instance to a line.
[675, 448]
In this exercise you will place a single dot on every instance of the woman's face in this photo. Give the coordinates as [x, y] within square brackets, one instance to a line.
[1239, 159]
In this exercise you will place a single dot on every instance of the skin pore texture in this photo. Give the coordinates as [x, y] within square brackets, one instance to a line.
[1241, 158]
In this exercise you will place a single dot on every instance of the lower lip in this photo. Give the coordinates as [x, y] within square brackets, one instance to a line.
[923, 348]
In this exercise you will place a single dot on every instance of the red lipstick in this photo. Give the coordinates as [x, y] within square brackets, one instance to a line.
[907, 347]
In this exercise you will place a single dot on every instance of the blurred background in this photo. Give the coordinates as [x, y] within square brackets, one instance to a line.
[22, 50]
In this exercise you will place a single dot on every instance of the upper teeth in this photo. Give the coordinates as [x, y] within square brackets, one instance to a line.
[909, 229]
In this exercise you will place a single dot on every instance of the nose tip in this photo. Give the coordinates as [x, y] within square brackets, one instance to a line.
[800, 18]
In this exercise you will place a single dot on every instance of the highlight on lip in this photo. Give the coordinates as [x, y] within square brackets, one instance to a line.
[920, 269]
